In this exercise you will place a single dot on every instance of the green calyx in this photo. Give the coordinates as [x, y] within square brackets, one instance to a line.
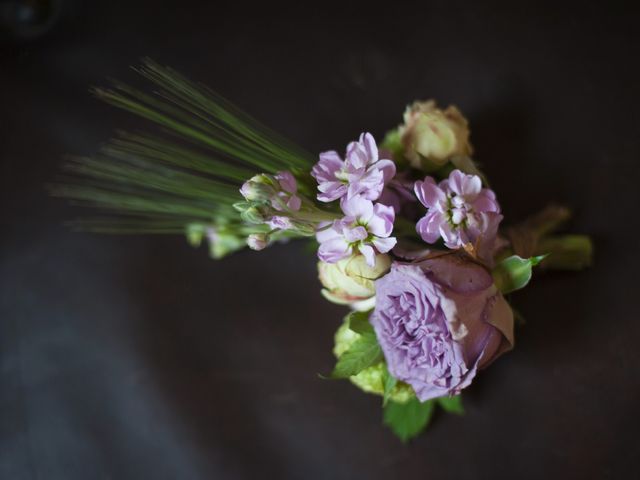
[514, 272]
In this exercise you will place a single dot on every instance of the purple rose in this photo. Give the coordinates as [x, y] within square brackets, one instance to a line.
[439, 321]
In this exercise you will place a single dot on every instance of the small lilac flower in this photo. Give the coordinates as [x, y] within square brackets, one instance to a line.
[279, 190]
[287, 194]
[365, 228]
[279, 222]
[459, 210]
[361, 173]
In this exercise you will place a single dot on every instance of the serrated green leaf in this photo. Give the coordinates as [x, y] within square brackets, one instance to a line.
[514, 272]
[388, 382]
[359, 322]
[363, 353]
[452, 404]
[408, 419]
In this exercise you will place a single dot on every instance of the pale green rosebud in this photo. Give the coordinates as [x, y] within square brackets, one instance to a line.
[351, 281]
[432, 136]
[370, 380]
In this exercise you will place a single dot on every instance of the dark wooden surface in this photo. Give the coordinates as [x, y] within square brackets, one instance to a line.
[137, 357]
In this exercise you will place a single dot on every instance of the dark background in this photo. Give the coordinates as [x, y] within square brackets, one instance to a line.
[138, 357]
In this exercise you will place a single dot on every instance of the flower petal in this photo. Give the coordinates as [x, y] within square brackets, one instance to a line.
[294, 203]
[287, 181]
[367, 140]
[381, 222]
[429, 194]
[357, 207]
[388, 169]
[384, 244]
[355, 234]
[334, 250]
[369, 254]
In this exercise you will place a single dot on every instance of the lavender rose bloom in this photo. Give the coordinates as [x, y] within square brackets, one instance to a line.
[439, 321]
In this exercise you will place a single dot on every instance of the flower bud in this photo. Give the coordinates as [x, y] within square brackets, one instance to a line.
[253, 214]
[351, 281]
[195, 233]
[222, 243]
[258, 241]
[258, 188]
[431, 136]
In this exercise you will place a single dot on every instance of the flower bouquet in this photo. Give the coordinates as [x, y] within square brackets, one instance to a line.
[408, 232]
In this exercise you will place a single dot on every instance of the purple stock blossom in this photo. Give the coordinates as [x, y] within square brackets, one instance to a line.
[361, 173]
[438, 322]
[279, 190]
[460, 211]
[279, 222]
[365, 228]
[287, 195]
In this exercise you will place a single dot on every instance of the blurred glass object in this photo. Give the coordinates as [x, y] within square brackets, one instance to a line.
[22, 20]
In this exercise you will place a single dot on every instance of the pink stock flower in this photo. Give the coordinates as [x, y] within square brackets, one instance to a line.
[287, 194]
[361, 173]
[365, 228]
[459, 211]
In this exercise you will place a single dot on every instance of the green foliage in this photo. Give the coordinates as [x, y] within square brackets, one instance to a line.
[389, 382]
[149, 184]
[363, 353]
[408, 419]
[451, 404]
[514, 272]
[359, 322]
[569, 252]
[393, 143]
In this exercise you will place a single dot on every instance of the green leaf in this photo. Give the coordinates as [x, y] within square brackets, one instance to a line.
[190, 174]
[452, 404]
[359, 322]
[363, 353]
[408, 419]
[569, 252]
[388, 382]
[513, 273]
[393, 142]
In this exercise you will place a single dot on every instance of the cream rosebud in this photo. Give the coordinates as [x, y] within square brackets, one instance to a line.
[351, 281]
[432, 136]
